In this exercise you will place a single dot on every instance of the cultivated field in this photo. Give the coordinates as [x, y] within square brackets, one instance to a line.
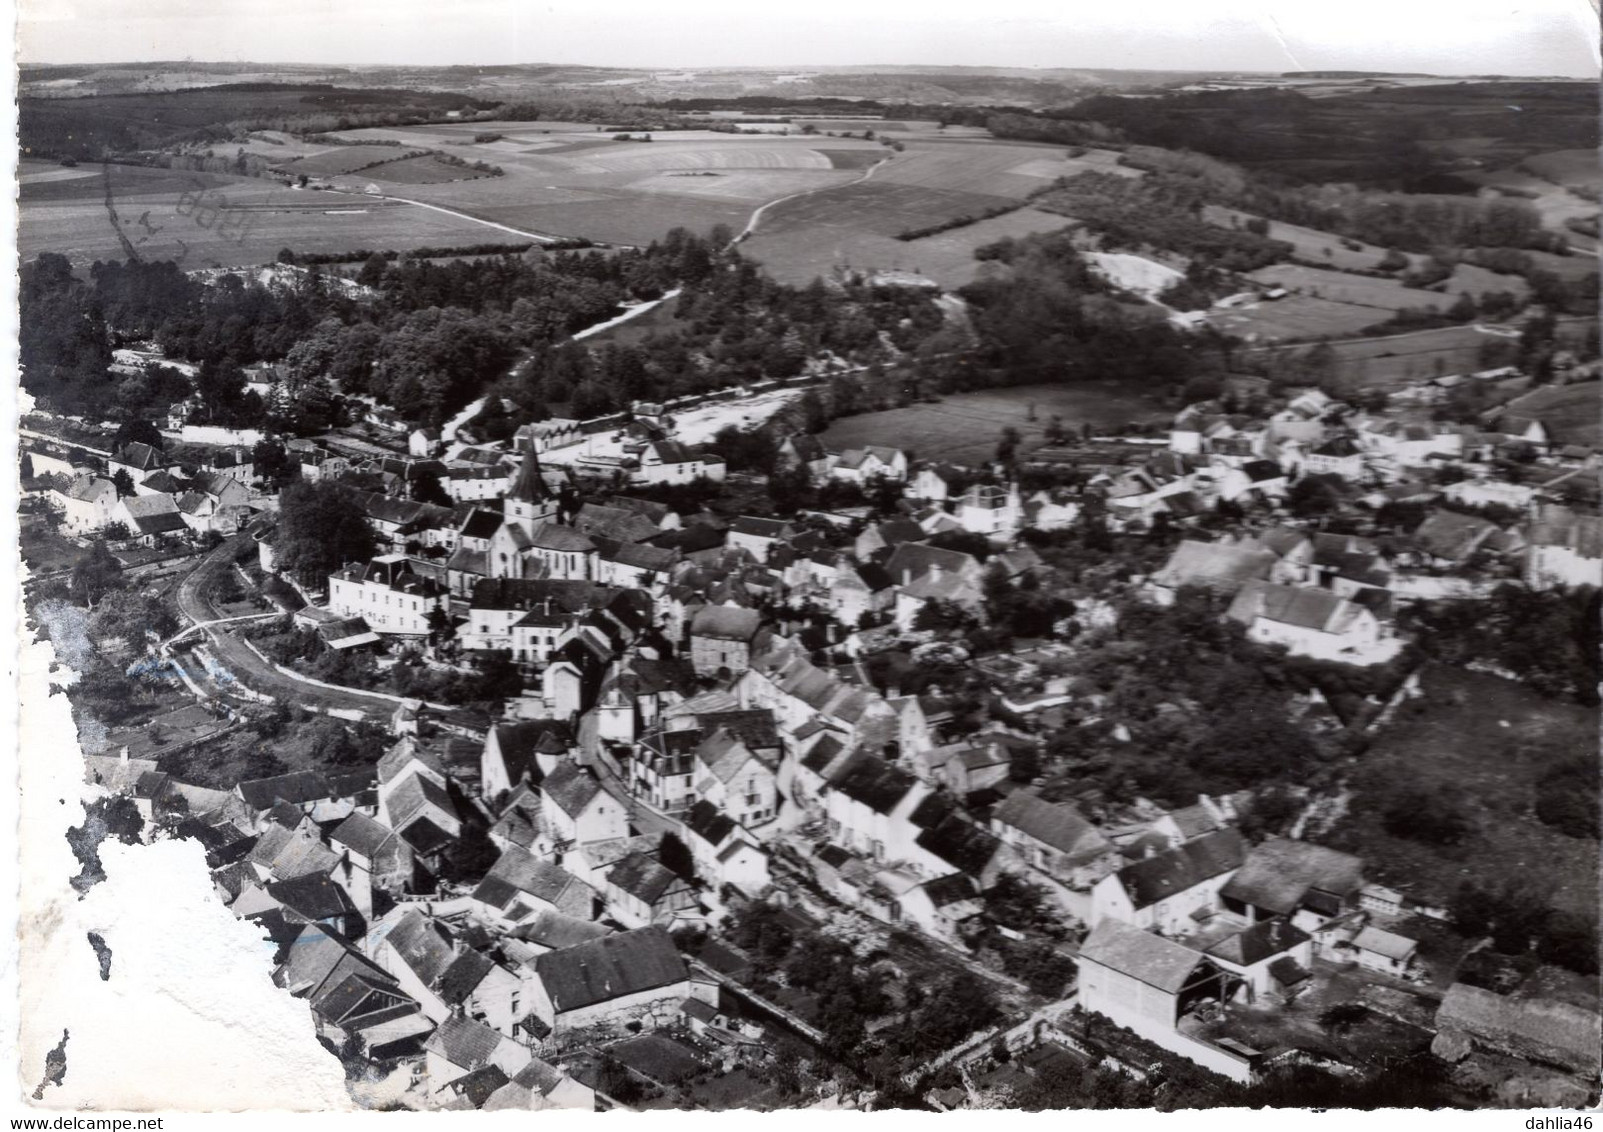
[1573, 414]
[1567, 167]
[425, 169]
[210, 219]
[573, 183]
[1296, 316]
[993, 168]
[967, 426]
[1342, 287]
[339, 159]
[1396, 360]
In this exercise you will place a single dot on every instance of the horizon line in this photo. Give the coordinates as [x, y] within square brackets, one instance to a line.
[821, 67]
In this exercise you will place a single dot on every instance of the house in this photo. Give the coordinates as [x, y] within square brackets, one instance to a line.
[724, 851]
[1387, 952]
[1309, 884]
[1055, 839]
[521, 886]
[721, 638]
[1162, 891]
[1565, 549]
[423, 442]
[862, 466]
[941, 907]
[543, 436]
[1142, 981]
[461, 1046]
[1347, 565]
[1338, 456]
[670, 462]
[519, 752]
[886, 537]
[214, 502]
[640, 891]
[388, 594]
[731, 776]
[86, 504]
[1272, 957]
[931, 484]
[540, 1085]
[992, 511]
[447, 978]
[632, 976]
[1307, 622]
[1449, 538]
[759, 535]
[352, 998]
[865, 589]
[371, 856]
[954, 843]
[867, 804]
[476, 482]
[1217, 566]
[139, 460]
[150, 517]
[662, 771]
[924, 574]
[577, 810]
[805, 452]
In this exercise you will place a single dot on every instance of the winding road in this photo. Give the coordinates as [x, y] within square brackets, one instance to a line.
[229, 650]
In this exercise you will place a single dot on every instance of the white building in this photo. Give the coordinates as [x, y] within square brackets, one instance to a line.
[387, 594]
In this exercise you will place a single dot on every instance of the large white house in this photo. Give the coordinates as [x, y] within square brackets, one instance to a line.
[387, 594]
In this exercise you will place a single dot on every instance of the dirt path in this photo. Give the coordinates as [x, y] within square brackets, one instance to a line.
[756, 217]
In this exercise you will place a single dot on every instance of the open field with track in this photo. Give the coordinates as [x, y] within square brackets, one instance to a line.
[211, 219]
[965, 427]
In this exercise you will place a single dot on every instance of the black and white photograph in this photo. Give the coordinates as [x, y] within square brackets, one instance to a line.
[625, 557]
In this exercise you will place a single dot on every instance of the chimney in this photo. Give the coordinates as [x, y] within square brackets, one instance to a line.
[122, 756]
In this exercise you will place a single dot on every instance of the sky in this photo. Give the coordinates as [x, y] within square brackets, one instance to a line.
[1521, 37]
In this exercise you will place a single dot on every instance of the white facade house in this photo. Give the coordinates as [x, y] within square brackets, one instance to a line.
[1309, 622]
[86, 504]
[387, 594]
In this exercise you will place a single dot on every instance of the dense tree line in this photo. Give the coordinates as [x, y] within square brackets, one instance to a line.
[1163, 212]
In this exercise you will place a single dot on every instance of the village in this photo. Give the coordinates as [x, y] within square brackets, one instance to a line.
[730, 748]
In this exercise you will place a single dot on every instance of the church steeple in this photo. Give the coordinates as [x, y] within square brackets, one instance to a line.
[529, 500]
[530, 486]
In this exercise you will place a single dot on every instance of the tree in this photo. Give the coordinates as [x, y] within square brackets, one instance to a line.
[1315, 495]
[426, 488]
[373, 269]
[1008, 445]
[137, 431]
[320, 529]
[123, 482]
[674, 855]
[499, 678]
[273, 464]
[471, 855]
[96, 574]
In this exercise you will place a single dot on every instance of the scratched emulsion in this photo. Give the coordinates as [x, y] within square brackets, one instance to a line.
[102, 953]
[55, 1067]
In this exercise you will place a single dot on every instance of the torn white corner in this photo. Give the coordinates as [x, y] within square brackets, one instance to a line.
[190, 1019]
